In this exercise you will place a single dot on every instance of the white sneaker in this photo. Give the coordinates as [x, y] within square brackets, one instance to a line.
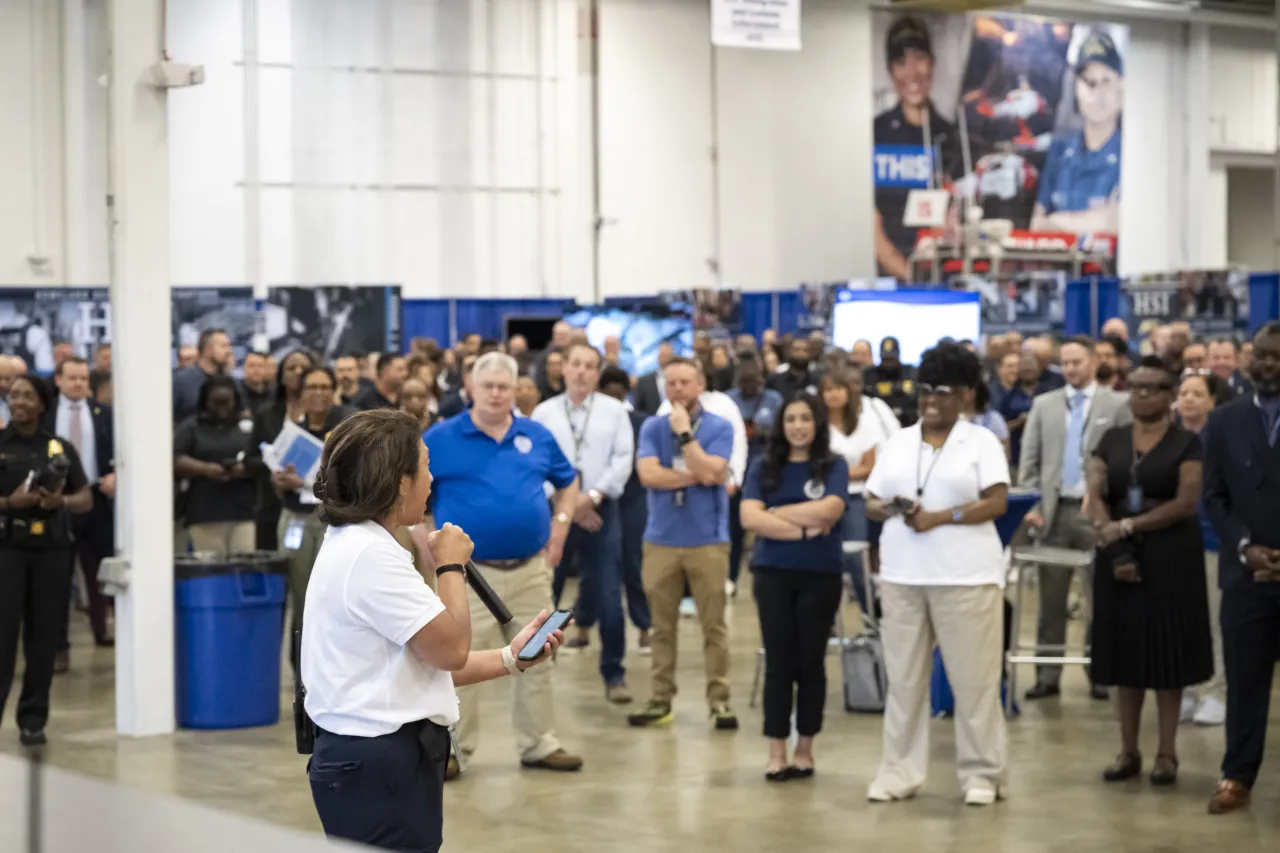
[877, 793]
[730, 589]
[1211, 712]
[981, 794]
[687, 608]
[1189, 704]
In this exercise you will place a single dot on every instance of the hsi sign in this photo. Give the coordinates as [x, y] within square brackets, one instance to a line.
[1151, 303]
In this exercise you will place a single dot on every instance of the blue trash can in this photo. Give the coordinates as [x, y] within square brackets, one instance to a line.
[229, 624]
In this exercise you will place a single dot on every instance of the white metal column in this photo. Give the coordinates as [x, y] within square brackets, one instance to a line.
[139, 240]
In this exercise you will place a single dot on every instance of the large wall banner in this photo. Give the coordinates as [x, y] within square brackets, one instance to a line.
[333, 321]
[34, 319]
[1014, 116]
[232, 309]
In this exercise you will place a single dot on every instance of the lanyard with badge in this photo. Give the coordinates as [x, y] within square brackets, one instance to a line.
[578, 437]
[678, 463]
[1134, 496]
[937, 454]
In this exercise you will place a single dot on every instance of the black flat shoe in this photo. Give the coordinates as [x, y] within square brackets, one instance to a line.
[782, 775]
[800, 772]
[1098, 692]
[1126, 766]
[1164, 771]
[1043, 691]
[32, 737]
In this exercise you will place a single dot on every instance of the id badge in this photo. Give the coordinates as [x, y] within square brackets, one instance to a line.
[1133, 499]
[293, 535]
[678, 464]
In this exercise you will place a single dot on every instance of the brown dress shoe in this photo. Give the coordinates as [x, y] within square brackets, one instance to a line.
[558, 760]
[1231, 796]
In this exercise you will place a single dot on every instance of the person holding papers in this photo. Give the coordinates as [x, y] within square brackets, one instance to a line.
[300, 530]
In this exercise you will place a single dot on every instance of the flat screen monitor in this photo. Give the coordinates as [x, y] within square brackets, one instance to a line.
[640, 334]
[536, 330]
[917, 318]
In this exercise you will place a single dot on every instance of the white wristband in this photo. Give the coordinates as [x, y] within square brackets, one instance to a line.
[509, 662]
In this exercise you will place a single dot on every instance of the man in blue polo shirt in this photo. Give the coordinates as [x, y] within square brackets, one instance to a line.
[683, 461]
[488, 469]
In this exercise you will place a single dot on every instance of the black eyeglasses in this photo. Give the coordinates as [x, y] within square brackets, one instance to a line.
[934, 390]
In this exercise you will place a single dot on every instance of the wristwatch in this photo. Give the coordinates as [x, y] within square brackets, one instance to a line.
[452, 567]
[1126, 527]
[596, 497]
[684, 438]
[563, 517]
[1241, 548]
[957, 516]
[509, 662]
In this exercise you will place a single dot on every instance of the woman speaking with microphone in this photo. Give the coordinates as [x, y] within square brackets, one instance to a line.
[381, 652]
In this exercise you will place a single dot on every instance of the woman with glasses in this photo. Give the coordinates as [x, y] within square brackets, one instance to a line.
[300, 531]
[1150, 601]
[939, 485]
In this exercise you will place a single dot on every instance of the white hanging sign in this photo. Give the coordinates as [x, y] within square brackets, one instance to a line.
[762, 24]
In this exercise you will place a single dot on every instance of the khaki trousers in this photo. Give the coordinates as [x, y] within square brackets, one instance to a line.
[967, 622]
[223, 536]
[526, 591]
[664, 573]
[302, 558]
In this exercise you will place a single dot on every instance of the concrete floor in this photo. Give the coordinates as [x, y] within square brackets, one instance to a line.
[687, 788]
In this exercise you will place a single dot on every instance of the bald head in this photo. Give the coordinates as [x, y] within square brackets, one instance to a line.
[1117, 327]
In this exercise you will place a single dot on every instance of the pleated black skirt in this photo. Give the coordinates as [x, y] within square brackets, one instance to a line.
[1154, 634]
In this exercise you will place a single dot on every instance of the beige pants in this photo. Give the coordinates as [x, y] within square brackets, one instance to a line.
[1216, 686]
[302, 558]
[664, 573]
[525, 591]
[223, 536]
[967, 623]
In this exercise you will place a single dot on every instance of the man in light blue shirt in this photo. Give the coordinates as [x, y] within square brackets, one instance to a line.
[683, 461]
[594, 433]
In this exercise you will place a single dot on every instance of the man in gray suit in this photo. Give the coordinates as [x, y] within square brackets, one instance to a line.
[651, 389]
[1062, 430]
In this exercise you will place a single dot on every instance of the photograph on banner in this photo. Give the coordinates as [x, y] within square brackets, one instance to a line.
[231, 309]
[716, 312]
[1032, 303]
[640, 331]
[1210, 301]
[33, 321]
[1018, 118]
[332, 320]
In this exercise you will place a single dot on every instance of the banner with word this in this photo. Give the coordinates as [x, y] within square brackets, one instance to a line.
[763, 24]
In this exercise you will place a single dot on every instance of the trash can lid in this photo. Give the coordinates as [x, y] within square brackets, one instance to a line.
[202, 564]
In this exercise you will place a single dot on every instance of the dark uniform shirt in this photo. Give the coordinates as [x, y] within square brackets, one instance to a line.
[897, 388]
[36, 529]
[371, 398]
[901, 163]
[788, 384]
[209, 501]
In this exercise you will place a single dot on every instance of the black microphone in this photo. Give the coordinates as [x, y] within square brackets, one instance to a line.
[487, 596]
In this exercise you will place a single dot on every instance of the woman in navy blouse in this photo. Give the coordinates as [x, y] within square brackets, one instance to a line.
[793, 500]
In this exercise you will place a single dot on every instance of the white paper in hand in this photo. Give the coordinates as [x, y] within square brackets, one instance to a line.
[297, 447]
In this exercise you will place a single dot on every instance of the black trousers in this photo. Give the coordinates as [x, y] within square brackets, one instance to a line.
[1250, 634]
[796, 613]
[34, 589]
[387, 792]
[737, 536]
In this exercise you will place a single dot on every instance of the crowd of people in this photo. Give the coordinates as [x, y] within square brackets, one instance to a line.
[654, 490]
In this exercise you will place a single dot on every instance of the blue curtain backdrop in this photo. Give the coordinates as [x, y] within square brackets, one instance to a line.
[1264, 299]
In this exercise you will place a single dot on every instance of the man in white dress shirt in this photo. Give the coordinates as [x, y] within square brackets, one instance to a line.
[594, 432]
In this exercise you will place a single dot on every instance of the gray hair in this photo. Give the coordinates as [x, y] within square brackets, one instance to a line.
[497, 362]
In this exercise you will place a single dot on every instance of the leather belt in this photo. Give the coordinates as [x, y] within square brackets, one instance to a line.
[505, 565]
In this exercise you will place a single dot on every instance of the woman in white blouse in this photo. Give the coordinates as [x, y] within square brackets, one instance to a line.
[940, 485]
[381, 651]
[859, 425]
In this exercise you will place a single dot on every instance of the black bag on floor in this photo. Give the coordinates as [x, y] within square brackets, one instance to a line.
[865, 681]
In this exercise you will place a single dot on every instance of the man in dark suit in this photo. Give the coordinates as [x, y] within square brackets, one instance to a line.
[634, 512]
[649, 392]
[88, 426]
[1242, 496]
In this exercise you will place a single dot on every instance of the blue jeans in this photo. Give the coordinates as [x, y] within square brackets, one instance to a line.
[599, 559]
[634, 513]
[855, 528]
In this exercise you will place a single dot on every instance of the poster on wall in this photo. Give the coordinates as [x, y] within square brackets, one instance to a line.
[332, 320]
[1210, 301]
[34, 320]
[640, 331]
[718, 313]
[232, 309]
[763, 24]
[1017, 118]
